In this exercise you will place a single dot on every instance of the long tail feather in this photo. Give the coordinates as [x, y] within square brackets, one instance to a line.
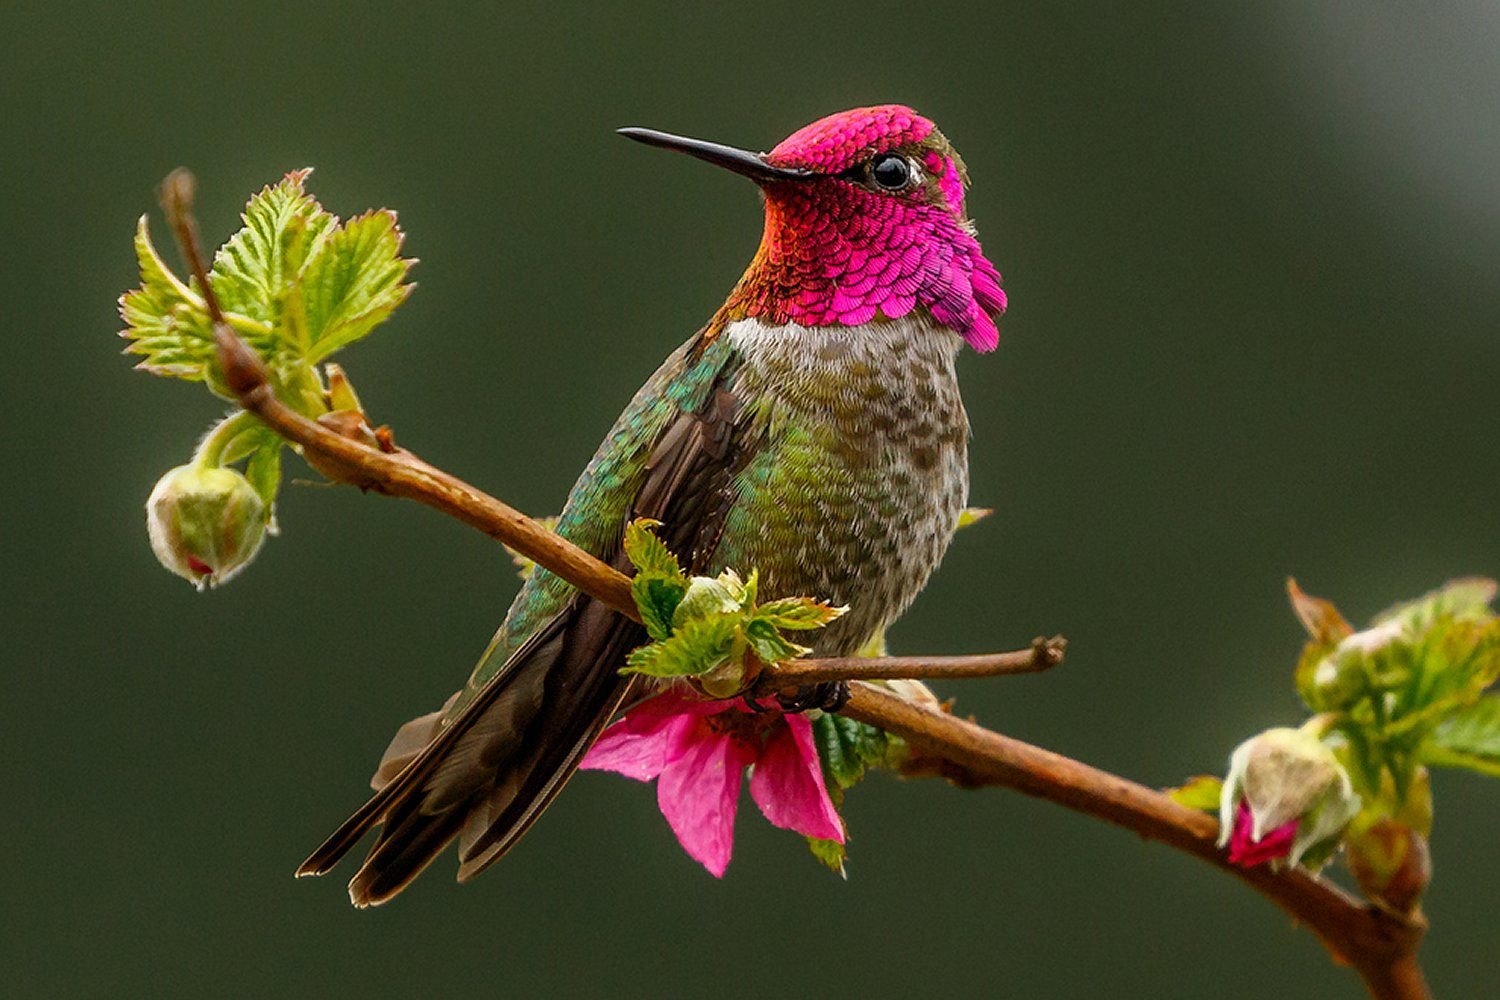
[497, 765]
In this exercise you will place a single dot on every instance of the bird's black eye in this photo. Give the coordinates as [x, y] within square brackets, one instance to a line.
[890, 171]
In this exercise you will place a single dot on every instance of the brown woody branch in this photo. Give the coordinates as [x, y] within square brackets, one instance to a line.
[1380, 946]
[1042, 654]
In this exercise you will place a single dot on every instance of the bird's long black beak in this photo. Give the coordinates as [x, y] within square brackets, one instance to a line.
[741, 161]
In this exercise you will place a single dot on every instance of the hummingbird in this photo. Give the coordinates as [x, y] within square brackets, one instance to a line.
[812, 430]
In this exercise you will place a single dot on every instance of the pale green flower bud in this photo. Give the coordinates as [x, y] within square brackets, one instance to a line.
[206, 524]
[707, 595]
[1390, 861]
[724, 681]
[1343, 676]
[1286, 798]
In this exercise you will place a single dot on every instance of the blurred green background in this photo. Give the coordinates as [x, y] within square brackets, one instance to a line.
[1251, 255]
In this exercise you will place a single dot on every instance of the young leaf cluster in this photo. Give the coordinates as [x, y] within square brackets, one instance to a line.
[1413, 689]
[709, 627]
[297, 285]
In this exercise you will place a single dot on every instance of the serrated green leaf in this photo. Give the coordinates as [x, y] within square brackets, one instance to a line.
[657, 598]
[166, 322]
[1466, 599]
[647, 552]
[769, 644]
[284, 227]
[1474, 731]
[1201, 793]
[644, 660]
[830, 854]
[848, 749]
[659, 583]
[798, 613]
[354, 282]
[292, 282]
[697, 647]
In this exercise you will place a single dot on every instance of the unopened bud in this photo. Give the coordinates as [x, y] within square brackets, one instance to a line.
[205, 524]
[1286, 798]
[724, 681]
[1343, 676]
[707, 595]
[1390, 861]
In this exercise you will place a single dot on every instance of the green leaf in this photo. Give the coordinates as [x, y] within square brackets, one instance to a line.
[1466, 599]
[293, 282]
[657, 598]
[697, 647]
[1326, 628]
[1439, 757]
[354, 283]
[659, 583]
[875, 646]
[166, 322]
[648, 553]
[830, 854]
[1472, 733]
[1201, 793]
[705, 622]
[769, 644]
[848, 749]
[798, 613]
[284, 227]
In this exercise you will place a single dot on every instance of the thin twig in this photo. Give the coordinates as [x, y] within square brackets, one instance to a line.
[1380, 946]
[1042, 654]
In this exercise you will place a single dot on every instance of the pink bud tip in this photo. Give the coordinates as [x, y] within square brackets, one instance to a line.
[1247, 852]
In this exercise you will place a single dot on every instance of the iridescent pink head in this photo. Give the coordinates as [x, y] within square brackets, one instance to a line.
[865, 222]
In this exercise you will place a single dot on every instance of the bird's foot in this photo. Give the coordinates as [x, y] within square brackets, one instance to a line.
[830, 696]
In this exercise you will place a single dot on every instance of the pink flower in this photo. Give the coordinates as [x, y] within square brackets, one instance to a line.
[1248, 852]
[696, 752]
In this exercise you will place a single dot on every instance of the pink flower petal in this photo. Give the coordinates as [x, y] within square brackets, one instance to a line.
[1248, 852]
[787, 784]
[636, 747]
[699, 791]
[675, 702]
[640, 743]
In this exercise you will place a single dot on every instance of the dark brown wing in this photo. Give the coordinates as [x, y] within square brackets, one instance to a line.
[487, 775]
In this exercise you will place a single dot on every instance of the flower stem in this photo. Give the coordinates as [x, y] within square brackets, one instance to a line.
[210, 451]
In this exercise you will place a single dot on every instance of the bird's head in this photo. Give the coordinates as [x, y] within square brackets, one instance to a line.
[865, 221]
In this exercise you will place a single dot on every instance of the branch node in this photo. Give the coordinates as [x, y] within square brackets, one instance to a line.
[1048, 652]
[244, 372]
